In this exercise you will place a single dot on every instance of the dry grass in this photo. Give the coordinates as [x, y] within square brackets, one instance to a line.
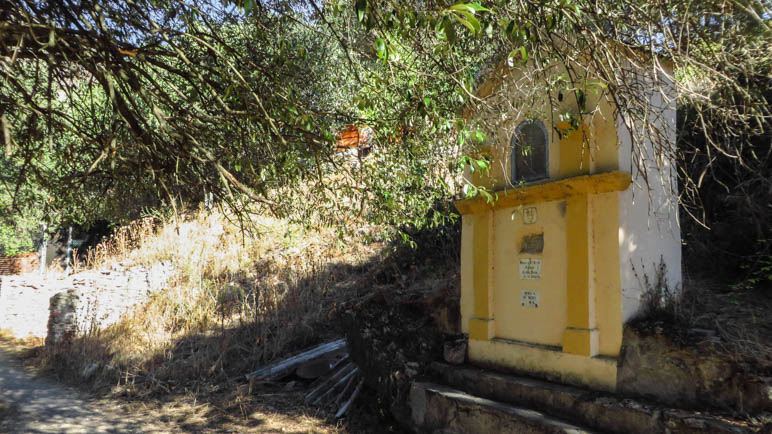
[238, 300]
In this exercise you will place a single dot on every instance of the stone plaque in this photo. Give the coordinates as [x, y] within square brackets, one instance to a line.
[530, 269]
[532, 243]
[529, 215]
[529, 298]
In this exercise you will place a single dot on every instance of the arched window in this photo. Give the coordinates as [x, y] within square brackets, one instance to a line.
[529, 152]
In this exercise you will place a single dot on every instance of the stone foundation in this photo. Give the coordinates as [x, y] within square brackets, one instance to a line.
[697, 377]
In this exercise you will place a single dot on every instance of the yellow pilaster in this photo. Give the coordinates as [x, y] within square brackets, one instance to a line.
[581, 336]
[481, 326]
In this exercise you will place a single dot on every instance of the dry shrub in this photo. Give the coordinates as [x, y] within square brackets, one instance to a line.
[658, 299]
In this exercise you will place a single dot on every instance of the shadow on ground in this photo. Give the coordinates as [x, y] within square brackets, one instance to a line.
[31, 404]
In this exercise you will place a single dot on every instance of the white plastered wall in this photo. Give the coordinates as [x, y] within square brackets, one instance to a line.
[649, 232]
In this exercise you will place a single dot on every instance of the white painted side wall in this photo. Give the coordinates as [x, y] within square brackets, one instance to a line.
[649, 231]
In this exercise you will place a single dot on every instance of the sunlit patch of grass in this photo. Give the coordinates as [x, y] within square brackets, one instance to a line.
[18, 346]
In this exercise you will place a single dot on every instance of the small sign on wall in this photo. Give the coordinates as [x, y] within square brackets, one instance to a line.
[529, 215]
[532, 244]
[529, 298]
[530, 269]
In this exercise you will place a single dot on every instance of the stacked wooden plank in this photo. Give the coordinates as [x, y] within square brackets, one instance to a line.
[338, 380]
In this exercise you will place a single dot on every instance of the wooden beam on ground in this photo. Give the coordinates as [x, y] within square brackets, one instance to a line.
[322, 387]
[351, 399]
[335, 385]
[347, 389]
[285, 366]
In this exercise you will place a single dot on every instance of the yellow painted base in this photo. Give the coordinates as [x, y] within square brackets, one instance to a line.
[599, 373]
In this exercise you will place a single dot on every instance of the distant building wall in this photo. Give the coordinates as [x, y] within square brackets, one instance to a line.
[19, 264]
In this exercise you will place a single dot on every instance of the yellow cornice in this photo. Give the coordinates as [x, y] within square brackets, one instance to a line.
[553, 190]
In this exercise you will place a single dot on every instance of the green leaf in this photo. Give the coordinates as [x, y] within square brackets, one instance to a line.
[361, 6]
[596, 85]
[487, 196]
[248, 6]
[380, 48]
[472, 191]
[468, 7]
[522, 52]
[489, 29]
[450, 32]
[462, 7]
[510, 27]
[476, 7]
[469, 21]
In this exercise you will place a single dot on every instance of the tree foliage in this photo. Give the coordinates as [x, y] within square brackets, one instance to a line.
[127, 104]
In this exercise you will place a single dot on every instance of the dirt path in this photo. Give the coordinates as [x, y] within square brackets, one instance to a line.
[30, 404]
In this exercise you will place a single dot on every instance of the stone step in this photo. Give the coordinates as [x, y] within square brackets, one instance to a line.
[601, 411]
[441, 409]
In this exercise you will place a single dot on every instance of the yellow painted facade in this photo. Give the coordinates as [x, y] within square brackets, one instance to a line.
[509, 314]
[579, 311]
[541, 274]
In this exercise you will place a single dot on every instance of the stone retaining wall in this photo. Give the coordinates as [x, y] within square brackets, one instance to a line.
[87, 301]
